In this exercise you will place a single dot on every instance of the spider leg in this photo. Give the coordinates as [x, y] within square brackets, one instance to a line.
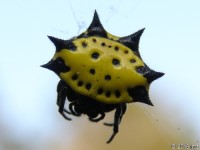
[94, 119]
[112, 124]
[120, 110]
[66, 111]
[108, 124]
[61, 89]
[72, 106]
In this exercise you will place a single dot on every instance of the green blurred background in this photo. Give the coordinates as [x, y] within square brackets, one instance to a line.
[28, 113]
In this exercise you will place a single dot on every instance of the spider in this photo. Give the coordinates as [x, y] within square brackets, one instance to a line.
[99, 73]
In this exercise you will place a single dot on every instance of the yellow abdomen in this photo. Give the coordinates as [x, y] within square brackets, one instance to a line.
[102, 69]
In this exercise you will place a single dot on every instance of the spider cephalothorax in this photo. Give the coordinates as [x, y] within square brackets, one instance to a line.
[99, 73]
